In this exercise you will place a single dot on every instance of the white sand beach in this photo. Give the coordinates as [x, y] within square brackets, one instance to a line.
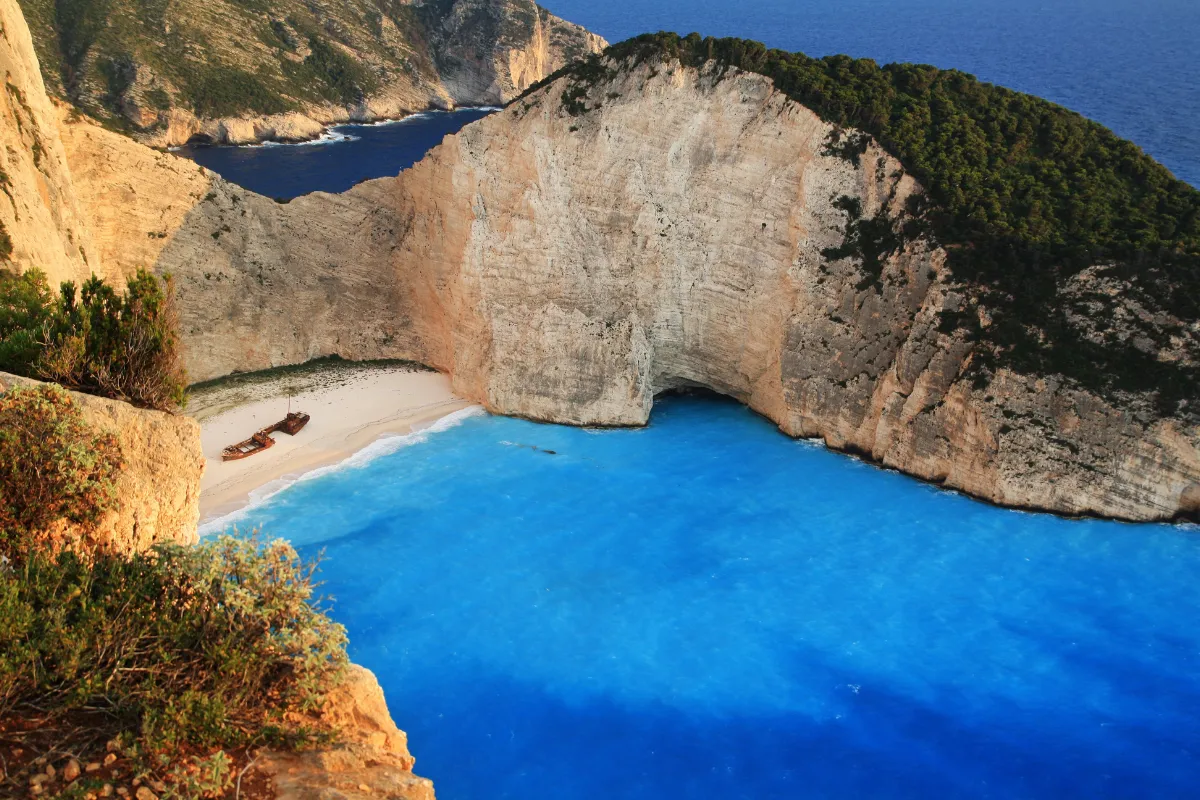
[350, 407]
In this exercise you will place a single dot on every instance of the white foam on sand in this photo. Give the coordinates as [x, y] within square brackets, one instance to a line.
[383, 446]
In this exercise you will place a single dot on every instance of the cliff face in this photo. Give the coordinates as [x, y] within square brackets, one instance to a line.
[569, 268]
[589, 247]
[371, 759]
[238, 72]
[159, 486]
[40, 220]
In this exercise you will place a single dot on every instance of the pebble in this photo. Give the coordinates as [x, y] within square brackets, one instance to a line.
[107, 790]
[144, 793]
[92, 767]
[71, 770]
[122, 791]
[109, 759]
[51, 771]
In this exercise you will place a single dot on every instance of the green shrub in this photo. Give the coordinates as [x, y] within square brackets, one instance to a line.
[24, 311]
[95, 340]
[176, 651]
[54, 468]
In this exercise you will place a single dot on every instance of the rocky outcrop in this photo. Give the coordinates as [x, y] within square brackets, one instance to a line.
[488, 52]
[570, 267]
[593, 245]
[159, 485]
[371, 759]
[40, 221]
[230, 72]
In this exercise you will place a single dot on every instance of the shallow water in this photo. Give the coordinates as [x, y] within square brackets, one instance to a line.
[707, 608]
[347, 155]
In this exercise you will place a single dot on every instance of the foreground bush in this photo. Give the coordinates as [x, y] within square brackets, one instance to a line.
[175, 652]
[94, 339]
[56, 471]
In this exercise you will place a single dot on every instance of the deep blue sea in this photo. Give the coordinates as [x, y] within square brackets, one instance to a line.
[346, 155]
[706, 608]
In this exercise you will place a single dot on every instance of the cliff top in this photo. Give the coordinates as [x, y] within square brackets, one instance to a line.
[1047, 215]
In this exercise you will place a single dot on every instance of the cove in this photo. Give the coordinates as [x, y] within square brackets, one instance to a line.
[347, 155]
[708, 608]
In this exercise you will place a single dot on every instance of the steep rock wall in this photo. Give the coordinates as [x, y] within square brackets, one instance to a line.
[569, 268]
[573, 267]
[40, 221]
[371, 760]
[159, 486]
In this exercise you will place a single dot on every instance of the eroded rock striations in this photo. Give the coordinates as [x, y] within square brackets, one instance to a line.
[681, 232]
[41, 224]
[658, 225]
[236, 72]
[159, 485]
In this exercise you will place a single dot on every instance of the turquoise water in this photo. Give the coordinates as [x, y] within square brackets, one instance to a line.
[706, 608]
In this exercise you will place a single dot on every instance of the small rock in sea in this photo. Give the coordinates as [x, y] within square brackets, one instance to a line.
[71, 770]
[144, 793]
[92, 767]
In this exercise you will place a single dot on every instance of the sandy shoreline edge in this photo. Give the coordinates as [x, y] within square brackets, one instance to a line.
[351, 406]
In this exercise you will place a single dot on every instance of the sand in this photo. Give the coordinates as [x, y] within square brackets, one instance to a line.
[350, 405]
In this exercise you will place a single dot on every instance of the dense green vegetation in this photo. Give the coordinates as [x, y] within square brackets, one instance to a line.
[53, 468]
[170, 659]
[337, 76]
[117, 59]
[216, 91]
[124, 346]
[1024, 194]
[179, 656]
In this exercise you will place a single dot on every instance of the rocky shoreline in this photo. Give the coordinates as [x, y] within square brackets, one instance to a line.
[290, 128]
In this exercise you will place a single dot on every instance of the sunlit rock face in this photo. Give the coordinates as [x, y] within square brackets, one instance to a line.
[676, 230]
[158, 488]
